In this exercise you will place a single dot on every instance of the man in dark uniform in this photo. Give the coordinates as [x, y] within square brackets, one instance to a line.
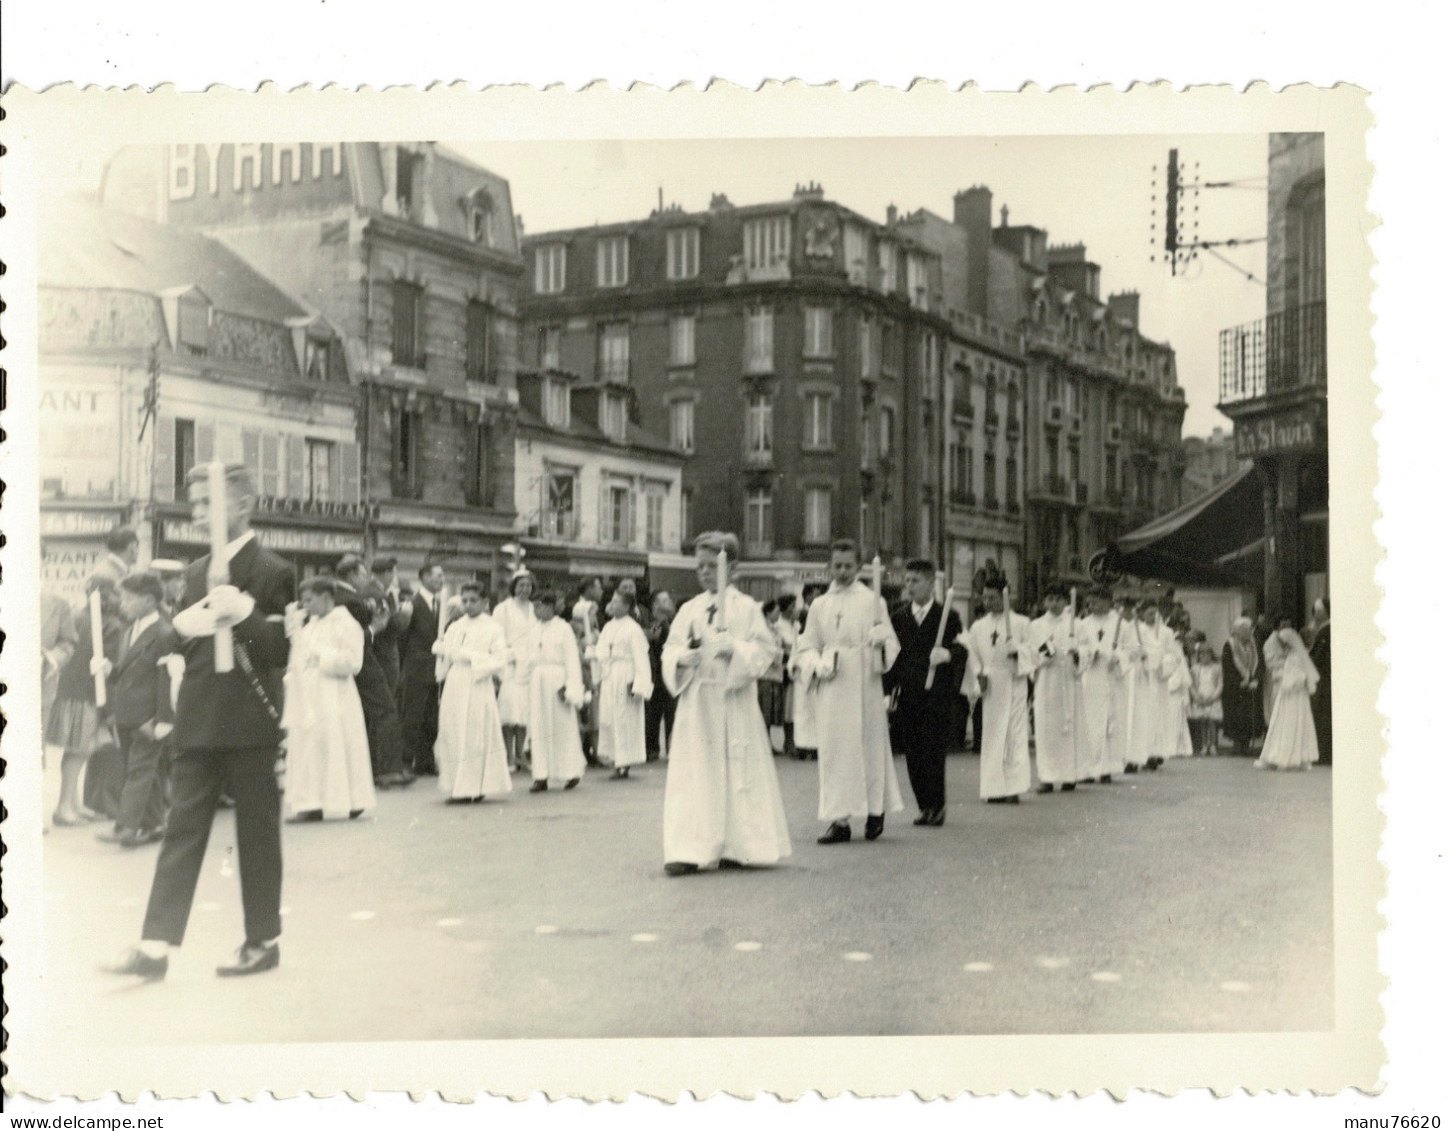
[385, 639]
[363, 598]
[921, 722]
[227, 736]
[418, 682]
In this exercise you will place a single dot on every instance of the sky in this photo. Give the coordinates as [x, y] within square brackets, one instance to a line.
[1095, 190]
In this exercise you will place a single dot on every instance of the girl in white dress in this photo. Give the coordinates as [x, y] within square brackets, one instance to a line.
[521, 629]
[622, 652]
[1291, 743]
[329, 773]
[1205, 707]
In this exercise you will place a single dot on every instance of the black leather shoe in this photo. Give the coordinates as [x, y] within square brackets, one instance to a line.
[1069, 787]
[133, 963]
[680, 868]
[1044, 788]
[875, 825]
[838, 833]
[1131, 768]
[1013, 800]
[571, 783]
[251, 960]
[728, 865]
[936, 818]
[1106, 779]
[539, 787]
[924, 819]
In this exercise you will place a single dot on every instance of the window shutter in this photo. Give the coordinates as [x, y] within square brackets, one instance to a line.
[164, 464]
[605, 533]
[631, 529]
[268, 480]
[473, 467]
[205, 442]
[420, 328]
[350, 484]
[296, 457]
[251, 453]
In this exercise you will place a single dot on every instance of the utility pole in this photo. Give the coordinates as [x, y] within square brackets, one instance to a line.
[1180, 242]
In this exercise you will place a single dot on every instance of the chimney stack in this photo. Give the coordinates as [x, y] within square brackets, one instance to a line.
[972, 212]
[1124, 307]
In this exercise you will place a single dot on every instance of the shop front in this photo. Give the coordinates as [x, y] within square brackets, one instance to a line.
[72, 541]
[312, 544]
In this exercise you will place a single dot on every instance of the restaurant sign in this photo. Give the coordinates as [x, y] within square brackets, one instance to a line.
[280, 539]
[1295, 430]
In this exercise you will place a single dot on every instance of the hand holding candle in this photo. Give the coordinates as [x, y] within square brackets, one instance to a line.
[217, 572]
[941, 627]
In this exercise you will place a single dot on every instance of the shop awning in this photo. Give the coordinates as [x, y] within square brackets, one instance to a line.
[1215, 539]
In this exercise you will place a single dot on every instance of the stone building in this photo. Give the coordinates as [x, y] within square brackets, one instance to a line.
[160, 349]
[1093, 408]
[1273, 382]
[1208, 461]
[411, 253]
[791, 352]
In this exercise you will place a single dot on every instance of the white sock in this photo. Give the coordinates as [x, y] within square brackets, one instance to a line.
[271, 942]
[153, 948]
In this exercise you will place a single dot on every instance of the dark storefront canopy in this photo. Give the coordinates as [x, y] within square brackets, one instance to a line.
[1215, 539]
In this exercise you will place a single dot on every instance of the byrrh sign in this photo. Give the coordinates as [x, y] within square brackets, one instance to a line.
[1296, 430]
[251, 164]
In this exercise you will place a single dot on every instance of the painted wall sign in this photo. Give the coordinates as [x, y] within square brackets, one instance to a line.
[1295, 431]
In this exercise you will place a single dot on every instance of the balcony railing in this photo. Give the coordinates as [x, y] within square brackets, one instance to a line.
[1277, 354]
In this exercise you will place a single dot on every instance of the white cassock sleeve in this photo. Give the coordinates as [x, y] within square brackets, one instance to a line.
[754, 643]
[676, 645]
[340, 651]
[487, 654]
[643, 685]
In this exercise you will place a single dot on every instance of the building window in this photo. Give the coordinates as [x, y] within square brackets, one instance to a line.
[989, 478]
[767, 243]
[1110, 472]
[654, 519]
[408, 324]
[1074, 465]
[479, 330]
[559, 517]
[477, 485]
[760, 340]
[916, 281]
[317, 359]
[1011, 486]
[556, 404]
[611, 261]
[550, 342]
[549, 262]
[888, 431]
[758, 426]
[868, 444]
[818, 331]
[687, 517]
[863, 346]
[618, 515]
[185, 454]
[818, 516]
[615, 417]
[858, 254]
[407, 455]
[404, 181]
[682, 339]
[925, 540]
[682, 253]
[480, 218]
[886, 266]
[758, 522]
[614, 353]
[317, 472]
[818, 421]
[682, 425]
[890, 348]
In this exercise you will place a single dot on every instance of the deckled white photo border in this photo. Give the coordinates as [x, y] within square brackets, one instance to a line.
[1350, 1056]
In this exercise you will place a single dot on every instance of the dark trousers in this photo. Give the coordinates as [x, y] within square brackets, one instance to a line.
[922, 733]
[380, 716]
[418, 714]
[659, 721]
[105, 775]
[143, 803]
[197, 777]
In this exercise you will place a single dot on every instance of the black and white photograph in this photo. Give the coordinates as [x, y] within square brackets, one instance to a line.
[655, 587]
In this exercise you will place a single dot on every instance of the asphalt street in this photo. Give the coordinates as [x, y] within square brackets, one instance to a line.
[1196, 899]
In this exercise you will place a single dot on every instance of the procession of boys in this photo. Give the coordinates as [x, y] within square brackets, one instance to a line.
[227, 684]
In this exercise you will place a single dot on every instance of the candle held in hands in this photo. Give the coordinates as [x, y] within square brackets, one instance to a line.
[218, 571]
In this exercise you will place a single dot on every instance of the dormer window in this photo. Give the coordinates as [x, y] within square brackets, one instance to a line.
[193, 320]
[404, 190]
[614, 417]
[556, 403]
[480, 209]
[317, 359]
[612, 262]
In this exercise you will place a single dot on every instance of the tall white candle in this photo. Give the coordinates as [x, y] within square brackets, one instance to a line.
[98, 643]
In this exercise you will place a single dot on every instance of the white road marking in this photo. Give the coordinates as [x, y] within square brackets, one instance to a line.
[1052, 963]
[1106, 976]
[361, 915]
[747, 946]
[644, 938]
[450, 922]
[856, 956]
[209, 906]
[977, 967]
[1235, 987]
[546, 930]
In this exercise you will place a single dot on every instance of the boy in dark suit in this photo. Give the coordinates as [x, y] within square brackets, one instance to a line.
[418, 681]
[227, 736]
[921, 723]
[140, 702]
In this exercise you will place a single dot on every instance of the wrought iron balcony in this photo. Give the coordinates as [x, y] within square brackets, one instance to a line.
[1281, 353]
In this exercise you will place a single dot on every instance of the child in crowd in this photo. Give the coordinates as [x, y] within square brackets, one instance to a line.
[556, 692]
[1205, 706]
